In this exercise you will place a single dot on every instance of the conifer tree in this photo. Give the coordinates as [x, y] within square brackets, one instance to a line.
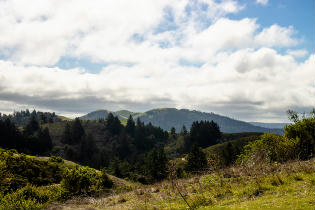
[196, 160]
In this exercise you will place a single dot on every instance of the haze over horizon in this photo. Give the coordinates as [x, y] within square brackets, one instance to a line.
[247, 60]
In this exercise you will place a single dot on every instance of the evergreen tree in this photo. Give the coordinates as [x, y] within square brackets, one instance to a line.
[157, 164]
[196, 160]
[184, 131]
[66, 136]
[205, 133]
[77, 131]
[130, 127]
[113, 124]
[32, 126]
[173, 132]
[47, 139]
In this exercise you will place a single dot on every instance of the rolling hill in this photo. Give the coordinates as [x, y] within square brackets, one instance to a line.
[270, 125]
[167, 118]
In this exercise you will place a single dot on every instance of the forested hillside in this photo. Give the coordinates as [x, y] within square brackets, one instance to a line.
[167, 118]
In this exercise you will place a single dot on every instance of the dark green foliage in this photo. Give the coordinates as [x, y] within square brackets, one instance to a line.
[304, 132]
[45, 140]
[31, 127]
[23, 117]
[226, 153]
[87, 149]
[77, 131]
[113, 124]
[130, 126]
[196, 160]
[173, 131]
[105, 182]
[204, 133]
[34, 139]
[184, 131]
[66, 136]
[156, 164]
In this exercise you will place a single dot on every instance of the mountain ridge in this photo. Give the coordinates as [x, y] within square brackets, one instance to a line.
[166, 118]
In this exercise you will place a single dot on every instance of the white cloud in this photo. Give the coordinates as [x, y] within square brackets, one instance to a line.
[262, 2]
[297, 53]
[234, 67]
[276, 35]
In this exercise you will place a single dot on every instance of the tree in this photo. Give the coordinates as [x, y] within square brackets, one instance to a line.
[204, 133]
[304, 132]
[66, 136]
[157, 164]
[184, 131]
[46, 139]
[32, 126]
[130, 127]
[196, 160]
[77, 131]
[173, 131]
[113, 124]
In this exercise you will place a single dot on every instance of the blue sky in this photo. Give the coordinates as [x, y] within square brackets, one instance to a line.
[250, 60]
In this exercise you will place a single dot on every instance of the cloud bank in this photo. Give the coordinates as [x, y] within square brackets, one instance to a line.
[181, 53]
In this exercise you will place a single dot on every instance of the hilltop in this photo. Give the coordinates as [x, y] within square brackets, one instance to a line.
[166, 118]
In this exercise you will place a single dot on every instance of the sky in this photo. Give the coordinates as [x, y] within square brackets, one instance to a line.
[248, 59]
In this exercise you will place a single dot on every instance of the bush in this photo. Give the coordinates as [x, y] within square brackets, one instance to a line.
[269, 148]
[84, 180]
[55, 159]
[16, 170]
[303, 132]
[28, 197]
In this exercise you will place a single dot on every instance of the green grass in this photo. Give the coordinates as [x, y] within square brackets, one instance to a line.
[278, 186]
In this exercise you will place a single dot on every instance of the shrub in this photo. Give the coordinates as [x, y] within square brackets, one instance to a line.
[28, 197]
[85, 180]
[16, 170]
[55, 159]
[269, 148]
[304, 133]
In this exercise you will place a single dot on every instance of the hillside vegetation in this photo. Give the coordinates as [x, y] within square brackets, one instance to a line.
[28, 182]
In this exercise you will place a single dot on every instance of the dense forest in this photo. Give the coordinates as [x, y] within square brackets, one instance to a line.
[132, 151]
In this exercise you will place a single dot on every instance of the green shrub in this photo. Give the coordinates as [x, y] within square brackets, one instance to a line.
[85, 180]
[269, 148]
[28, 197]
[17, 170]
[55, 159]
[303, 132]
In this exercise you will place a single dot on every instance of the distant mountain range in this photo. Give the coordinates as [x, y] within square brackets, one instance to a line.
[270, 125]
[167, 118]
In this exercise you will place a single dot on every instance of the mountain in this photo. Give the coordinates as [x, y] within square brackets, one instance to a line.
[167, 118]
[270, 125]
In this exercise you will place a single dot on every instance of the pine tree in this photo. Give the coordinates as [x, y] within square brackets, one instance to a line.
[196, 160]
[157, 164]
[66, 136]
[32, 126]
[77, 131]
[130, 127]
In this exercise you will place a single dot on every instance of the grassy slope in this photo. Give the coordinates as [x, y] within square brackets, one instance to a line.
[283, 186]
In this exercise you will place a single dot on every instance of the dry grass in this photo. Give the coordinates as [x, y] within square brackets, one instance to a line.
[277, 186]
